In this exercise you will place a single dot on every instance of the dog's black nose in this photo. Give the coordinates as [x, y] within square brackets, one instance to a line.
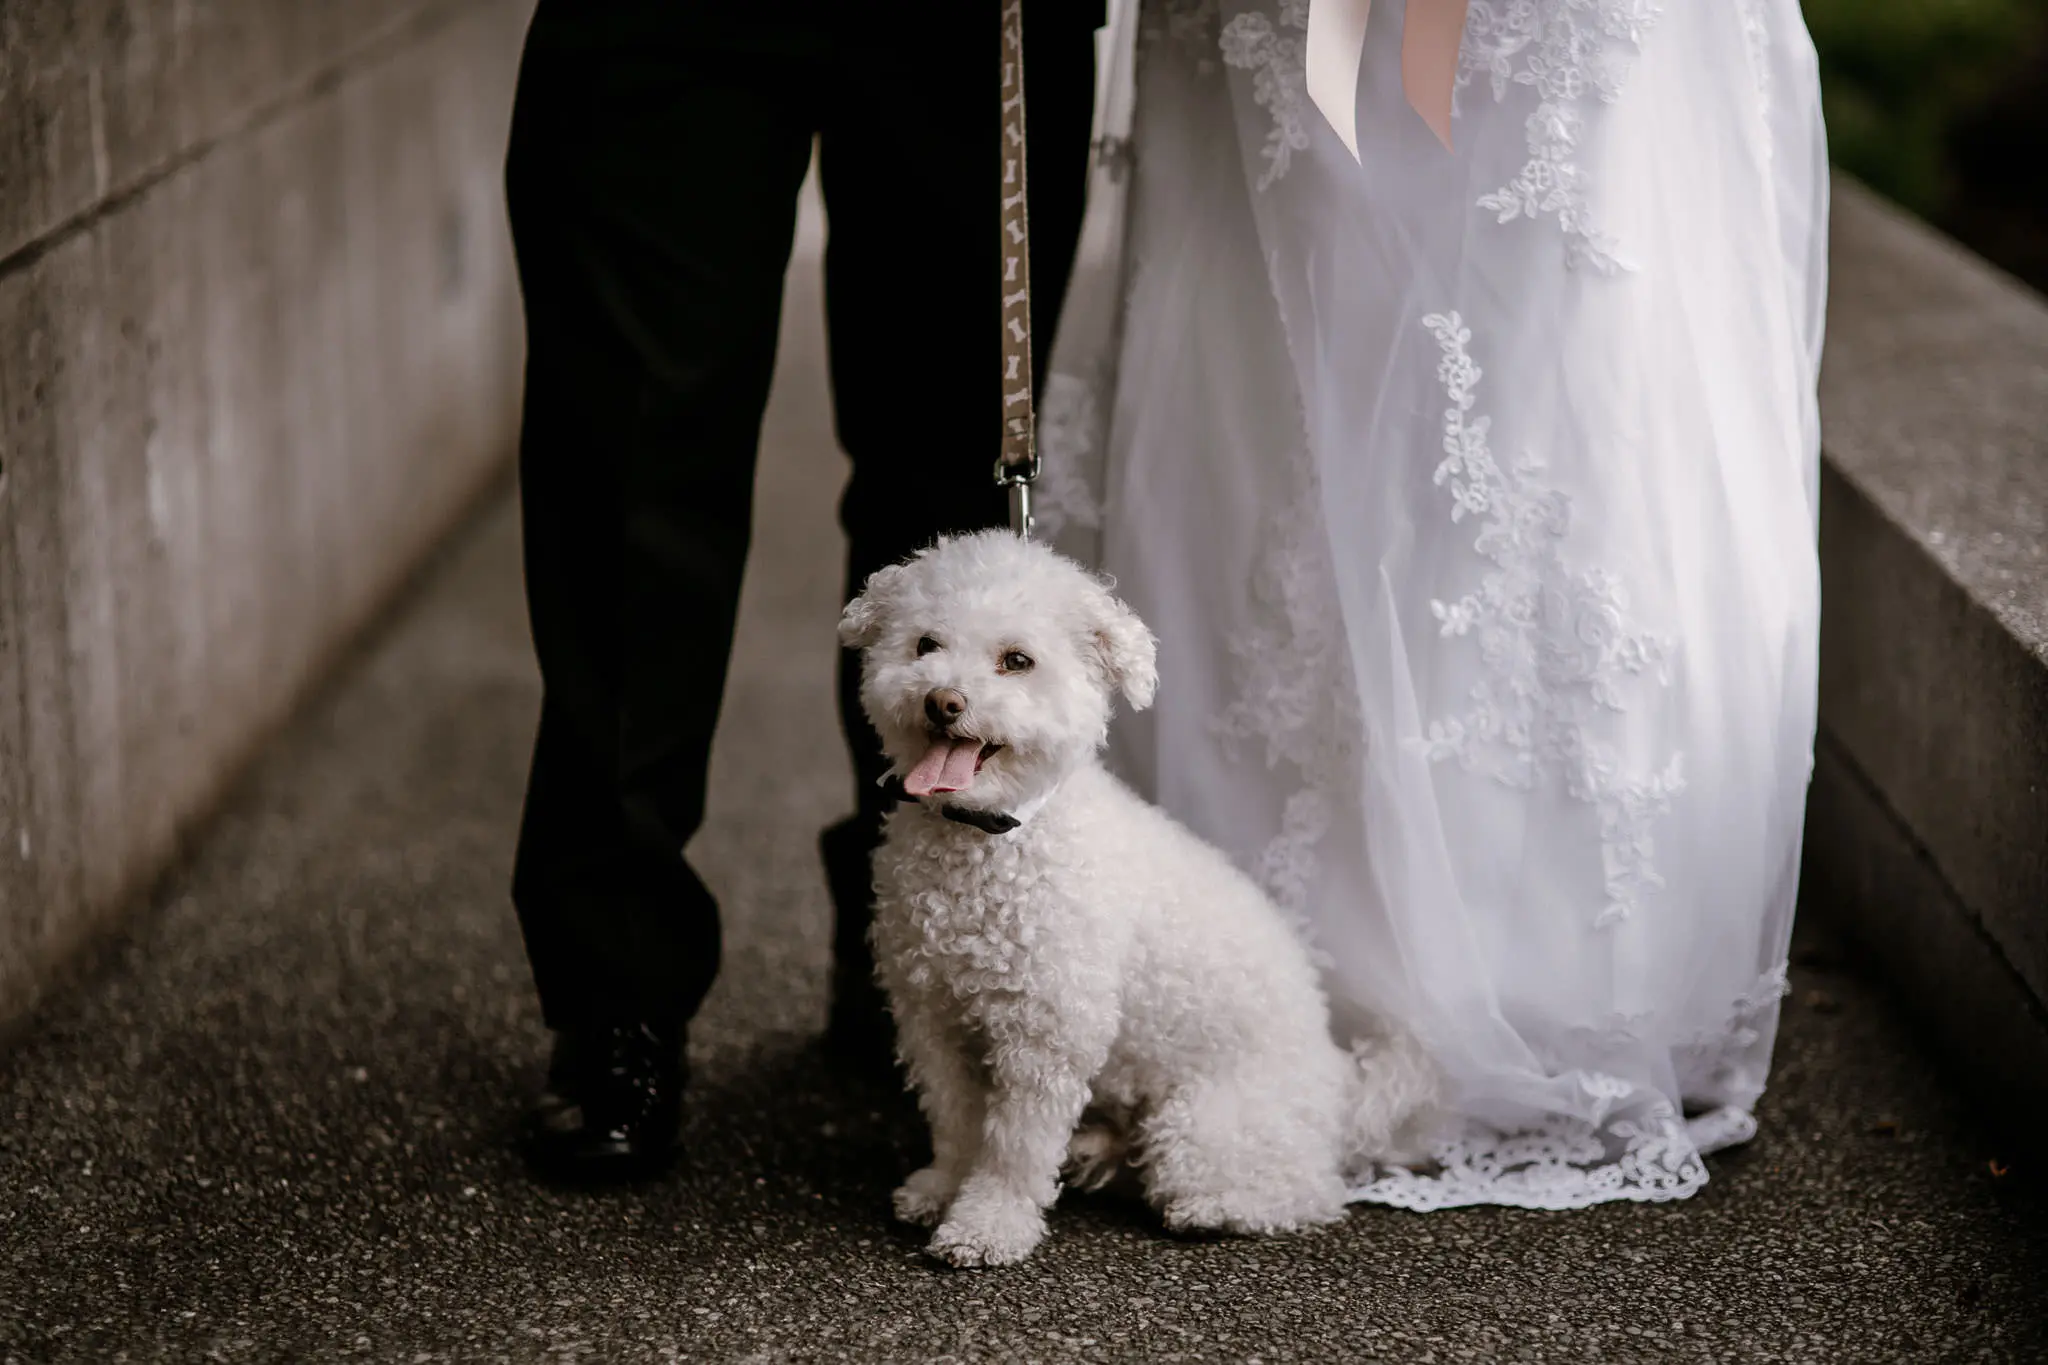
[943, 706]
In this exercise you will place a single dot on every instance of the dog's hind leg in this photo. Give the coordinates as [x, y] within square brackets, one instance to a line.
[1100, 1151]
[1224, 1157]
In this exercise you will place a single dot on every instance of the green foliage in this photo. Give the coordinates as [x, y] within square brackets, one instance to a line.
[1897, 77]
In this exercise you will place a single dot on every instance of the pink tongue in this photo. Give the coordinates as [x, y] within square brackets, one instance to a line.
[948, 766]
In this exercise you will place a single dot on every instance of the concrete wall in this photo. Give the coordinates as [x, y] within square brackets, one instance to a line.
[1928, 824]
[259, 347]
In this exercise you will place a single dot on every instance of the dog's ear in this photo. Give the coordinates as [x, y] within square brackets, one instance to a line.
[1127, 652]
[860, 625]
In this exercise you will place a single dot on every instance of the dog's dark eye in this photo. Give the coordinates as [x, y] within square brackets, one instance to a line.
[925, 645]
[1016, 661]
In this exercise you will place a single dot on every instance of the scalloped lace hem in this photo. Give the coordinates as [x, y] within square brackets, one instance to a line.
[1635, 1147]
[1653, 1156]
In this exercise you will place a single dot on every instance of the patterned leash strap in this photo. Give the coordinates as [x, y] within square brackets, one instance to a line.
[1017, 468]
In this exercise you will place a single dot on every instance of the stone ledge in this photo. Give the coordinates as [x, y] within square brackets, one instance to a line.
[1929, 813]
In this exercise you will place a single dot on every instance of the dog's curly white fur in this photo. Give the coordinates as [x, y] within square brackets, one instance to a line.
[1098, 958]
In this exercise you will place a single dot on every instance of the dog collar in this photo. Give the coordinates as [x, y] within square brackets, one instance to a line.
[999, 821]
[987, 821]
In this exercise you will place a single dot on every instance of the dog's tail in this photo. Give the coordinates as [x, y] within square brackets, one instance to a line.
[1396, 1100]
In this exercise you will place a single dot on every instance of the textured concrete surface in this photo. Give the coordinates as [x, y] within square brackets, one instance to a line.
[276, 1127]
[1933, 395]
[259, 347]
[1907, 925]
[100, 97]
[1934, 636]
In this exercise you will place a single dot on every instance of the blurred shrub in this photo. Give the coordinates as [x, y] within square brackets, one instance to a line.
[1899, 78]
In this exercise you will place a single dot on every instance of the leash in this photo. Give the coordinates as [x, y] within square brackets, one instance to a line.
[1018, 465]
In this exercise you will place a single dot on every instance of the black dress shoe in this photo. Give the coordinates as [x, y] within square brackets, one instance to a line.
[612, 1107]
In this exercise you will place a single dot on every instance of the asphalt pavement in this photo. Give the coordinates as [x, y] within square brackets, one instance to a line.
[275, 1123]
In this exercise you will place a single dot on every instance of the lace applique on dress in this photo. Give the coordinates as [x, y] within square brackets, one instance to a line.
[1294, 690]
[1556, 640]
[1278, 63]
[1626, 1141]
[1726, 1063]
[1630, 1144]
[1567, 51]
[1189, 26]
[1746, 1012]
[1070, 438]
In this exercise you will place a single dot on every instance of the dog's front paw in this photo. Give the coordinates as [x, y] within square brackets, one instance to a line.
[922, 1199]
[989, 1236]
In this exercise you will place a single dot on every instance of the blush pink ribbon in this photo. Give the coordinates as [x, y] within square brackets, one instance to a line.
[1430, 34]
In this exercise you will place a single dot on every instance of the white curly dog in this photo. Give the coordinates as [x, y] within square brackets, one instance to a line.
[1054, 947]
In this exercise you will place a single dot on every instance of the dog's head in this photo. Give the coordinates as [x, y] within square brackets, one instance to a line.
[989, 666]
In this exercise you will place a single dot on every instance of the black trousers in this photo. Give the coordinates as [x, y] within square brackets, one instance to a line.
[656, 154]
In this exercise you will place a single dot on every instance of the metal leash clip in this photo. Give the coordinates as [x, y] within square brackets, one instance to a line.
[1017, 481]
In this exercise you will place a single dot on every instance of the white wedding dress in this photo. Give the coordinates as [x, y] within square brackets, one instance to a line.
[1472, 496]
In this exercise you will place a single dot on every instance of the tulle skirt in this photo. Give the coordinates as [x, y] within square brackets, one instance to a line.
[1472, 497]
